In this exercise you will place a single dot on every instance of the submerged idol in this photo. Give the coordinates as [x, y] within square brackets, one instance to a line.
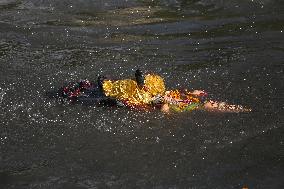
[145, 92]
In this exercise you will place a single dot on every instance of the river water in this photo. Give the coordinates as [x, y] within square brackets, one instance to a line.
[232, 49]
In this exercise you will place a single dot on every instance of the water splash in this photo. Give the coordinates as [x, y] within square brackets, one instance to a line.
[2, 94]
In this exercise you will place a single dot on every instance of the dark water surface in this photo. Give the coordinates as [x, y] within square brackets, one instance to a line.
[232, 49]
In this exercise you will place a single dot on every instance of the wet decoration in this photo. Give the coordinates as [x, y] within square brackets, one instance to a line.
[131, 94]
[74, 90]
[180, 101]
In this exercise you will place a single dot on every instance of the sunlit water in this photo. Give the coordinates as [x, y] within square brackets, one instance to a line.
[232, 49]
